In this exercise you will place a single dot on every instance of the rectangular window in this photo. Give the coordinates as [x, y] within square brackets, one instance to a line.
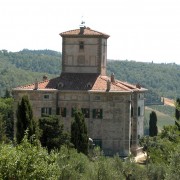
[46, 96]
[85, 111]
[61, 111]
[139, 111]
[81, 45]
[97, 142]
[97, 98]
[97, 113]
[46, 110]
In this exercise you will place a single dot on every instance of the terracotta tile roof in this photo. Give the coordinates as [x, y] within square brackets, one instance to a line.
[83, 82]
[86, 32]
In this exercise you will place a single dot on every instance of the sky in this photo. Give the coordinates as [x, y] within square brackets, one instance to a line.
[140, 30]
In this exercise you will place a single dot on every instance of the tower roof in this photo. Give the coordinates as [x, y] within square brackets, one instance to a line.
[83, 31]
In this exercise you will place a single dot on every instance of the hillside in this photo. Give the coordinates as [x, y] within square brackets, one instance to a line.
[25, 66]
[165, 116]
[17, 69]
[159, 79]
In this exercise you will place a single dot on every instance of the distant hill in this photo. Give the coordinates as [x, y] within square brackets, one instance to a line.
[162, 80]
[165, 117]
[23, 67]
[26, 66]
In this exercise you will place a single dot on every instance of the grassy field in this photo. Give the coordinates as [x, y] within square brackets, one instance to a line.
[163, 118]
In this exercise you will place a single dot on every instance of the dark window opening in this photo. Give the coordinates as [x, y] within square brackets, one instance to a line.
[81, 45]
[85, 111]
[139, 111]
[61, 111]
[97, 113]
[46, 110]
[46, 96]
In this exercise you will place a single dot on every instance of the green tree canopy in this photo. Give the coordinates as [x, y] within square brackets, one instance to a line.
[52, 135]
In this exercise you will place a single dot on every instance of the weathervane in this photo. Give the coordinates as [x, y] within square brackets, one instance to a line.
[82, 22]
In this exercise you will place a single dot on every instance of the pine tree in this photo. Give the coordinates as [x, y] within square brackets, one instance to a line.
[79, 135]
[25, 120]
[153, 129]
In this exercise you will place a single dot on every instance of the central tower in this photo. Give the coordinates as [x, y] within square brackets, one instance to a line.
[84, 51]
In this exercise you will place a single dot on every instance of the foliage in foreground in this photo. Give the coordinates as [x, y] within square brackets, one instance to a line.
[31, 161]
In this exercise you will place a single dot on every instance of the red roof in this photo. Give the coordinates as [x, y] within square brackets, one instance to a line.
[85, 32]
[83, 82]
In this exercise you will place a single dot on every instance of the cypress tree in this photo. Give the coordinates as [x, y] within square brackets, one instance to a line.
[153, 129]
[79, 135]
[177, 110]
[2, 129]
[177, 113]
[25, 120]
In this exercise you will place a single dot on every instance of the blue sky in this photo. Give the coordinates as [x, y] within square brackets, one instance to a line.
[141, 30]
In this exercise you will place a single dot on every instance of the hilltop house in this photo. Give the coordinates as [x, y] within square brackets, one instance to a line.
[114, 110]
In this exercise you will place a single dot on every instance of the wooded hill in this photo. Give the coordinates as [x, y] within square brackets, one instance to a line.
[23, 67]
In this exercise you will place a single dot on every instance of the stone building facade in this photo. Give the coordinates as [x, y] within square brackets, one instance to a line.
[114, 110]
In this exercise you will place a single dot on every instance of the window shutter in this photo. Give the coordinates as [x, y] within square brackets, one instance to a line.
[57, 111]
[94, 113]
[49, 111]
[42, 111]
[101, 113]
[64, 112]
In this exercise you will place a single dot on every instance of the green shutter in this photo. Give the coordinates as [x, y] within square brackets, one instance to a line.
[94, 113]
[42, 111]
[49, 111]
[64, 112]
[101, 113]
[57, 111]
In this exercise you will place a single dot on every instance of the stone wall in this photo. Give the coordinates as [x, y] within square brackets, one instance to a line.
[113, 130]
[91, 59]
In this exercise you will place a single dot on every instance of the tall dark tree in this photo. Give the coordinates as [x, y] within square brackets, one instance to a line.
[52, 135]
[25, 120]
[79, 135]
[2, 129]
[7, 94]
[6, 110]
[153, 129]
[177, 113]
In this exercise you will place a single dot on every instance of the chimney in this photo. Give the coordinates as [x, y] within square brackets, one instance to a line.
[112, 77]
[138, 86]
[45, 78]
[108, 85]
[82, 29]
[36, 85]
